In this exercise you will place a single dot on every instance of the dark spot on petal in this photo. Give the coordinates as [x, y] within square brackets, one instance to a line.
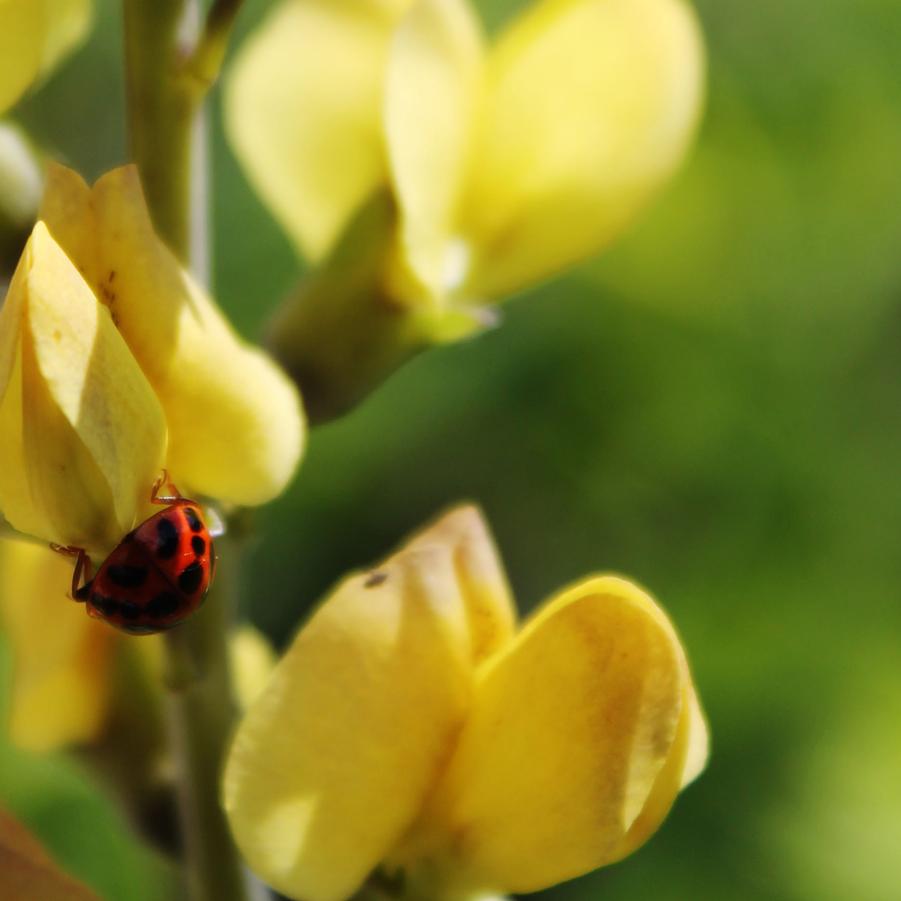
[375, 579]
[190, 578]
[194, 521]
[198, 545]
[127, 576]
[167, 539]
[163, 605]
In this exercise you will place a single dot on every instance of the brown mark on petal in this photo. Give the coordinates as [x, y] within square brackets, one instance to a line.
[375, 579]
[108, 295]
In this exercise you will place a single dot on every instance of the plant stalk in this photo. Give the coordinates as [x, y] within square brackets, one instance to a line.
[166, 140]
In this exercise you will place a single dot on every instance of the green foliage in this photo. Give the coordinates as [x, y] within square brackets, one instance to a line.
[77, 821]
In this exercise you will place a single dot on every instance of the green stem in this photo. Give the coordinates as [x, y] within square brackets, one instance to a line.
[165, 103]
[162, 111]
[206, 60]
[201, 715]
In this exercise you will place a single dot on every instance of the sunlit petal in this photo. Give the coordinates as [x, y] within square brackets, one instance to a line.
[590, 106]
[235, 424]
[34, 35]
[570, 729]
[303, 111]
[332, 763]
[83, 433]
[66, 23]
[252, 661]
[432, 89]
[60, 685]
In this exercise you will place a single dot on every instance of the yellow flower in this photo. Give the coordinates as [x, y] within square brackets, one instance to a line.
[412, 728]
[113, 363]
[61, 658]
[506, 161]
[427, 173]
[21, 185]
[34, 36]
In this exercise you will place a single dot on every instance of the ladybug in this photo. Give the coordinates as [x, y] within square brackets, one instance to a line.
[157, 575]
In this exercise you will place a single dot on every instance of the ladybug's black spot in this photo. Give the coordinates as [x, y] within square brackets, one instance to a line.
[375, 579]
[107, 606]
[163, 605]
[126, 576]
[167, 539]
[190, 578]
[198, 545]
[129, 610]
[194, 521]
[129, 537]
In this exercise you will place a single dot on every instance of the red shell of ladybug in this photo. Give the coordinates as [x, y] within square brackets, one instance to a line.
[157, 576]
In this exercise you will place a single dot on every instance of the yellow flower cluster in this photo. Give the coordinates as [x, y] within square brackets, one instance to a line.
[506, 160]
[413, 726]
[114, 363]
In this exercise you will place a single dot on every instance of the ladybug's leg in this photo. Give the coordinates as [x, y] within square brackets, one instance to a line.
[164, 500]
[82, 567]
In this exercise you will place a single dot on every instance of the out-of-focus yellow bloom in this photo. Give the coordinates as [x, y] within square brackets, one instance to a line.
[506, 162]
[427, 174]
[252, 661]
[21, 186]
[113, 363]
[412, 727]
[64, 663]
[61, 658]
[34, 36]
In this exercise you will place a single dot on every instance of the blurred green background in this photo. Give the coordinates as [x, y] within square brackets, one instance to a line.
[711, 408]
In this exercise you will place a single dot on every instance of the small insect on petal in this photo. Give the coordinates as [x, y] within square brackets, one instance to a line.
[158, 575]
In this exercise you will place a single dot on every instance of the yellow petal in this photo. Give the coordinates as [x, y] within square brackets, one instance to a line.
[66, 209]
[669, 781]
[490, 610]
[34, 36]
[21, 182]
[26, 871]
[66, 24]
[590, 106]
[570, 729]
[332, 762]
[698, 740]
[432, 88]
[303, 113]
[235, 422]
[61, 657]
[21, 33]
[252, 661]
[83, 432]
